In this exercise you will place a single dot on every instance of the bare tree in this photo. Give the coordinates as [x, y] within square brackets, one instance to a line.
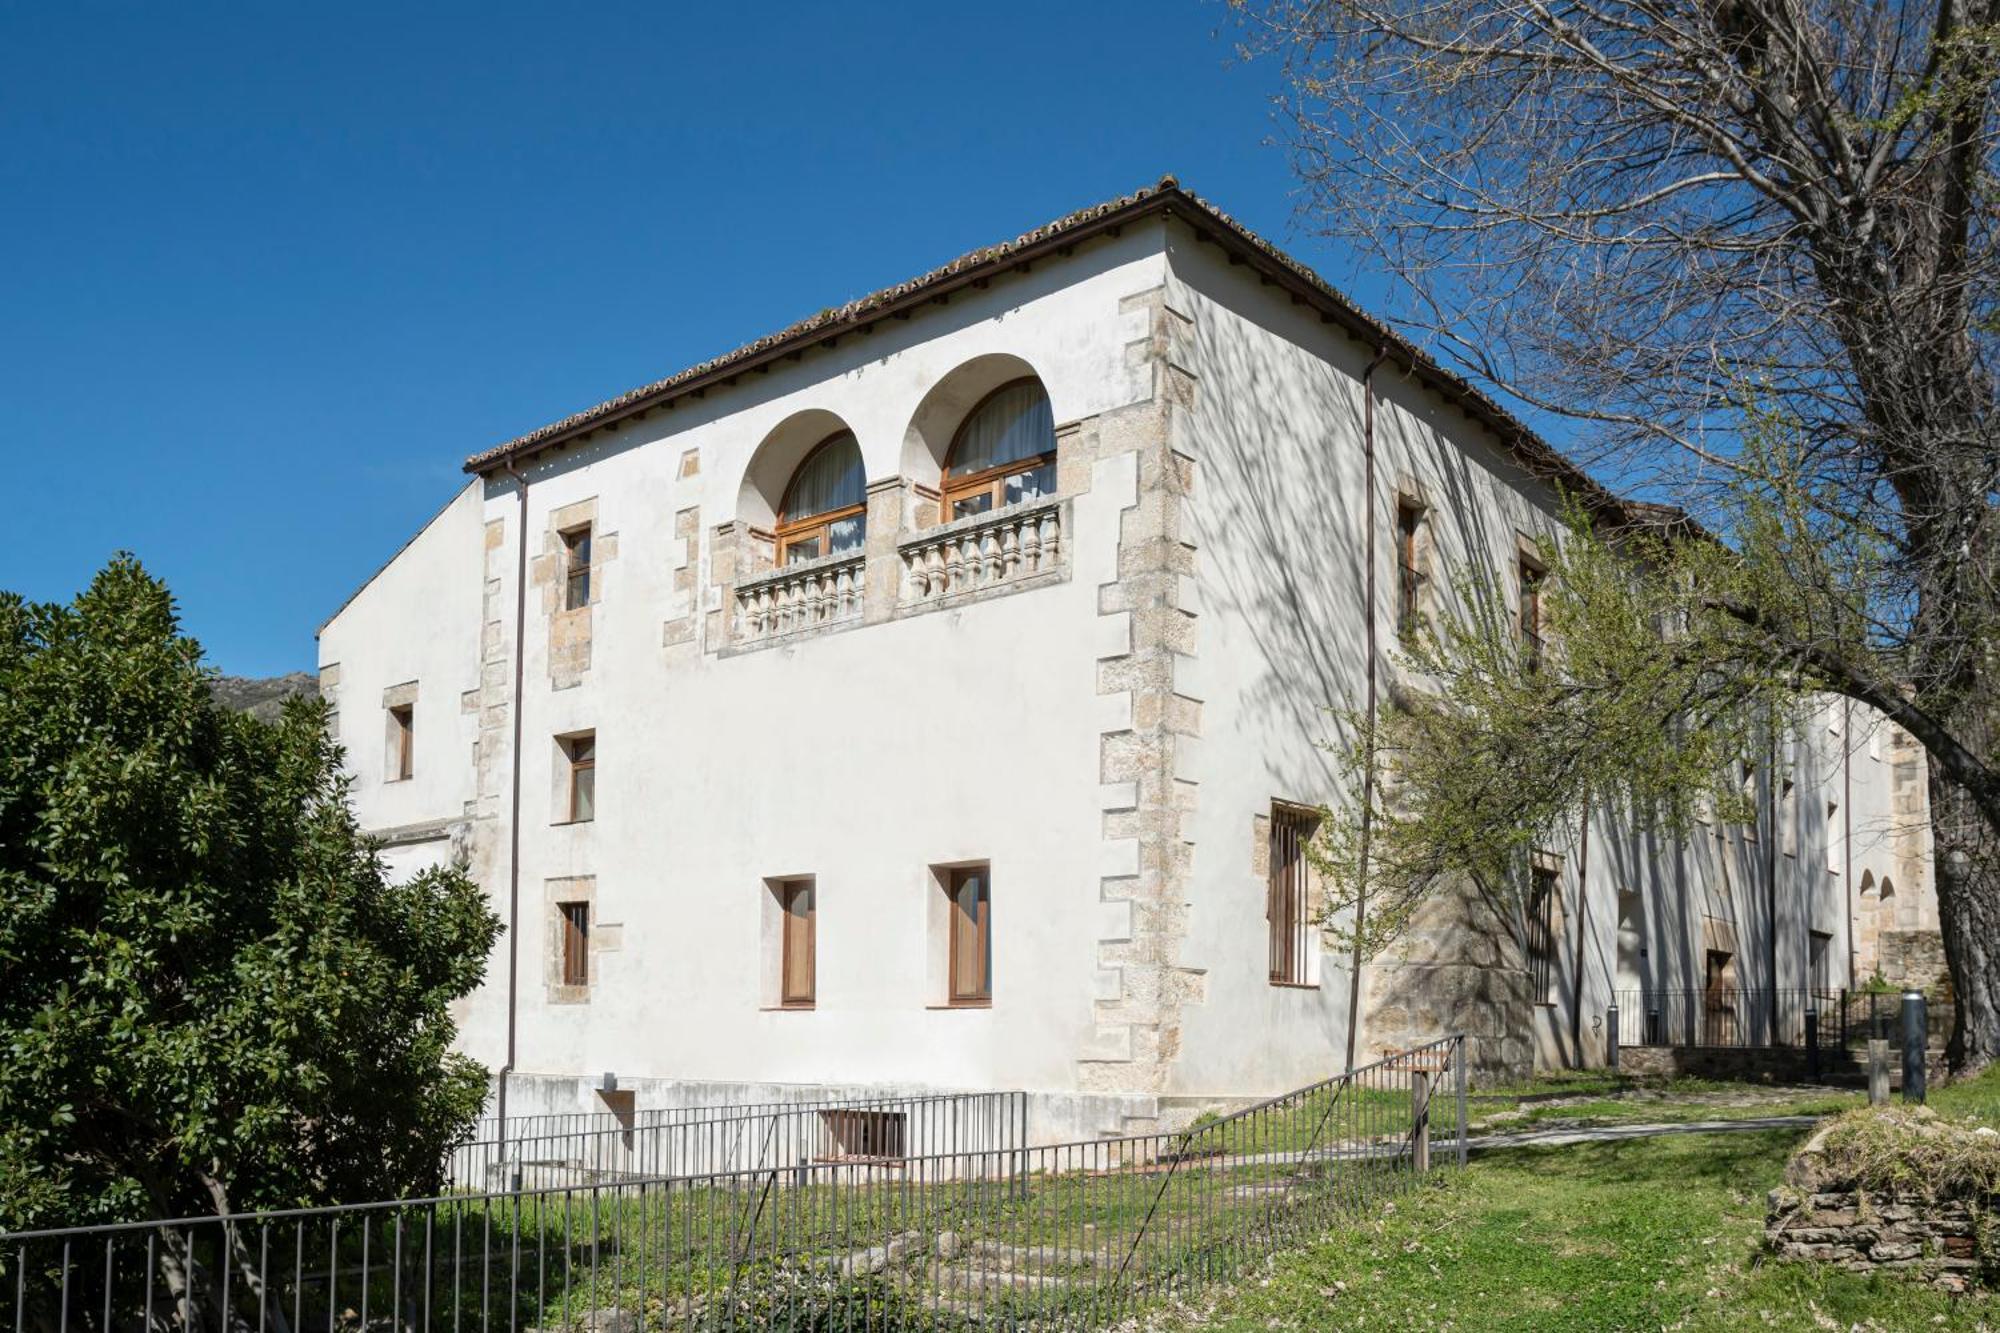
[1678, 223]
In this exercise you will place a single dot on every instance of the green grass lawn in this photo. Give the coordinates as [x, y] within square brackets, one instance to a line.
[1644, 1234]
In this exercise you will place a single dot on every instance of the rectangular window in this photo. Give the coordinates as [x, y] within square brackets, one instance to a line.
[1544, 890]
[1288, 906]
[576, 568]
[1819, 960]
[1720, 1013]
[864, 1135]
[1788, 818]
[575, 943]
[1409, 579]
[580, 753]
[1833, 838]
[1531, 576]
[403, 741]
[971, 944]
[796, 943]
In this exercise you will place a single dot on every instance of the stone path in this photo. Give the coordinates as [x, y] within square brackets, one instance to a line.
[1563, 1138]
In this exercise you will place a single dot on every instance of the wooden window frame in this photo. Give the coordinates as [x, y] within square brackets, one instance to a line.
[577, 543]
[788, 533]
[988, 481]
[403, 717]
[1543, 947]
[1409, 576]
[958, 995]
[577, 768]
[1530, 575]
[1288, 897]
[575, 921]
[785, 890]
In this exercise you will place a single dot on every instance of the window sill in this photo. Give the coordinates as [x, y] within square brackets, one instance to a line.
[786, 1008]
[1294, 985]
[962, 1004]
[569, 823]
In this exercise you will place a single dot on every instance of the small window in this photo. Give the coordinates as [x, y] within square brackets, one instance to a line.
[1833, 837]
[796, 943]
[1531, 576]
[864, 1135]
[402, 742]
[1544, 898]
[1288, 908]
[1788, 818]
[575, 943]
[1819, 961]
[1004, 454]
[971, 943]
[576, 568]
[826, 505]
[1409, 578]
[580, 753]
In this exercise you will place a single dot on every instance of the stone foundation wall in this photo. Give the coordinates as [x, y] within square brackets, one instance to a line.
[1911, 957]
[1863, 1232]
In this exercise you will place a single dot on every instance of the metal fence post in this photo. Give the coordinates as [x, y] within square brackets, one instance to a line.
[1611, 1038]
[1458, 1060]
[1878, 1072]
[1420, 1120]
[1916, 1041]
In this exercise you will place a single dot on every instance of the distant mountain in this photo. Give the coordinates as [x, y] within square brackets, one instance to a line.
[263, 697]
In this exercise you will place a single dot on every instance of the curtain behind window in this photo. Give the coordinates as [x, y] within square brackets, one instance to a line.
[1014, 423]
[832, 479]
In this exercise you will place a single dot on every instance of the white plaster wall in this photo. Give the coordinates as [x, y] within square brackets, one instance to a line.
[861, 756]
[866, 755]
[416, 620]
[1278, 522]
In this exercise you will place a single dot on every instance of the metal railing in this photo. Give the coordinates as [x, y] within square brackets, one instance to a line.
[542, 1151]
[1735, 1018]
[1073, 1235]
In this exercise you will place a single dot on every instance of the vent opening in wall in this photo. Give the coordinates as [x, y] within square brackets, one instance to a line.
[868, 1136]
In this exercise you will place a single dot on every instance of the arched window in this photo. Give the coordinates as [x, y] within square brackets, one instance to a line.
[825, 508]
[1004, 453]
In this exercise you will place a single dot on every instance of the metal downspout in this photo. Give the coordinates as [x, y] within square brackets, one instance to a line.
[1368, 619]
[1847, 825]
[514, 816]
[1582, 916]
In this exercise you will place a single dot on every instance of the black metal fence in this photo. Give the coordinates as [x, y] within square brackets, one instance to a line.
[1749, 1018]
[544, 1151]
[1073, 1235]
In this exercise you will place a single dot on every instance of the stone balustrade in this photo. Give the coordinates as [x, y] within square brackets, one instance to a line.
[813, 594]
[984, 551]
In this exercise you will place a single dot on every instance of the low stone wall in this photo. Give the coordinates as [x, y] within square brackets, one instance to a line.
[1938, 1241]
[1745, 1064]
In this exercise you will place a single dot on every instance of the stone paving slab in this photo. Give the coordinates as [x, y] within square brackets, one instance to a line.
[1562, 1138]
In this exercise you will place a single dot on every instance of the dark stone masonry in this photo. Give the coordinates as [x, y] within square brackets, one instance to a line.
[1936, 1240]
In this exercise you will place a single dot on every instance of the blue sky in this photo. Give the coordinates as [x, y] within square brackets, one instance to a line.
[273, 271]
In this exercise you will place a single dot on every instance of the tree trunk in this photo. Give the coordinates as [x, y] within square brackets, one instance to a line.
[1966, 850]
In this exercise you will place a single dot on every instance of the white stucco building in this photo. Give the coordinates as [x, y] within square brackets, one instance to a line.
[923, 696]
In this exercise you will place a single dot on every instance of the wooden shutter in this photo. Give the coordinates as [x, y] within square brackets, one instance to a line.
[971, 936]
[575, 943]
[796, 900]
